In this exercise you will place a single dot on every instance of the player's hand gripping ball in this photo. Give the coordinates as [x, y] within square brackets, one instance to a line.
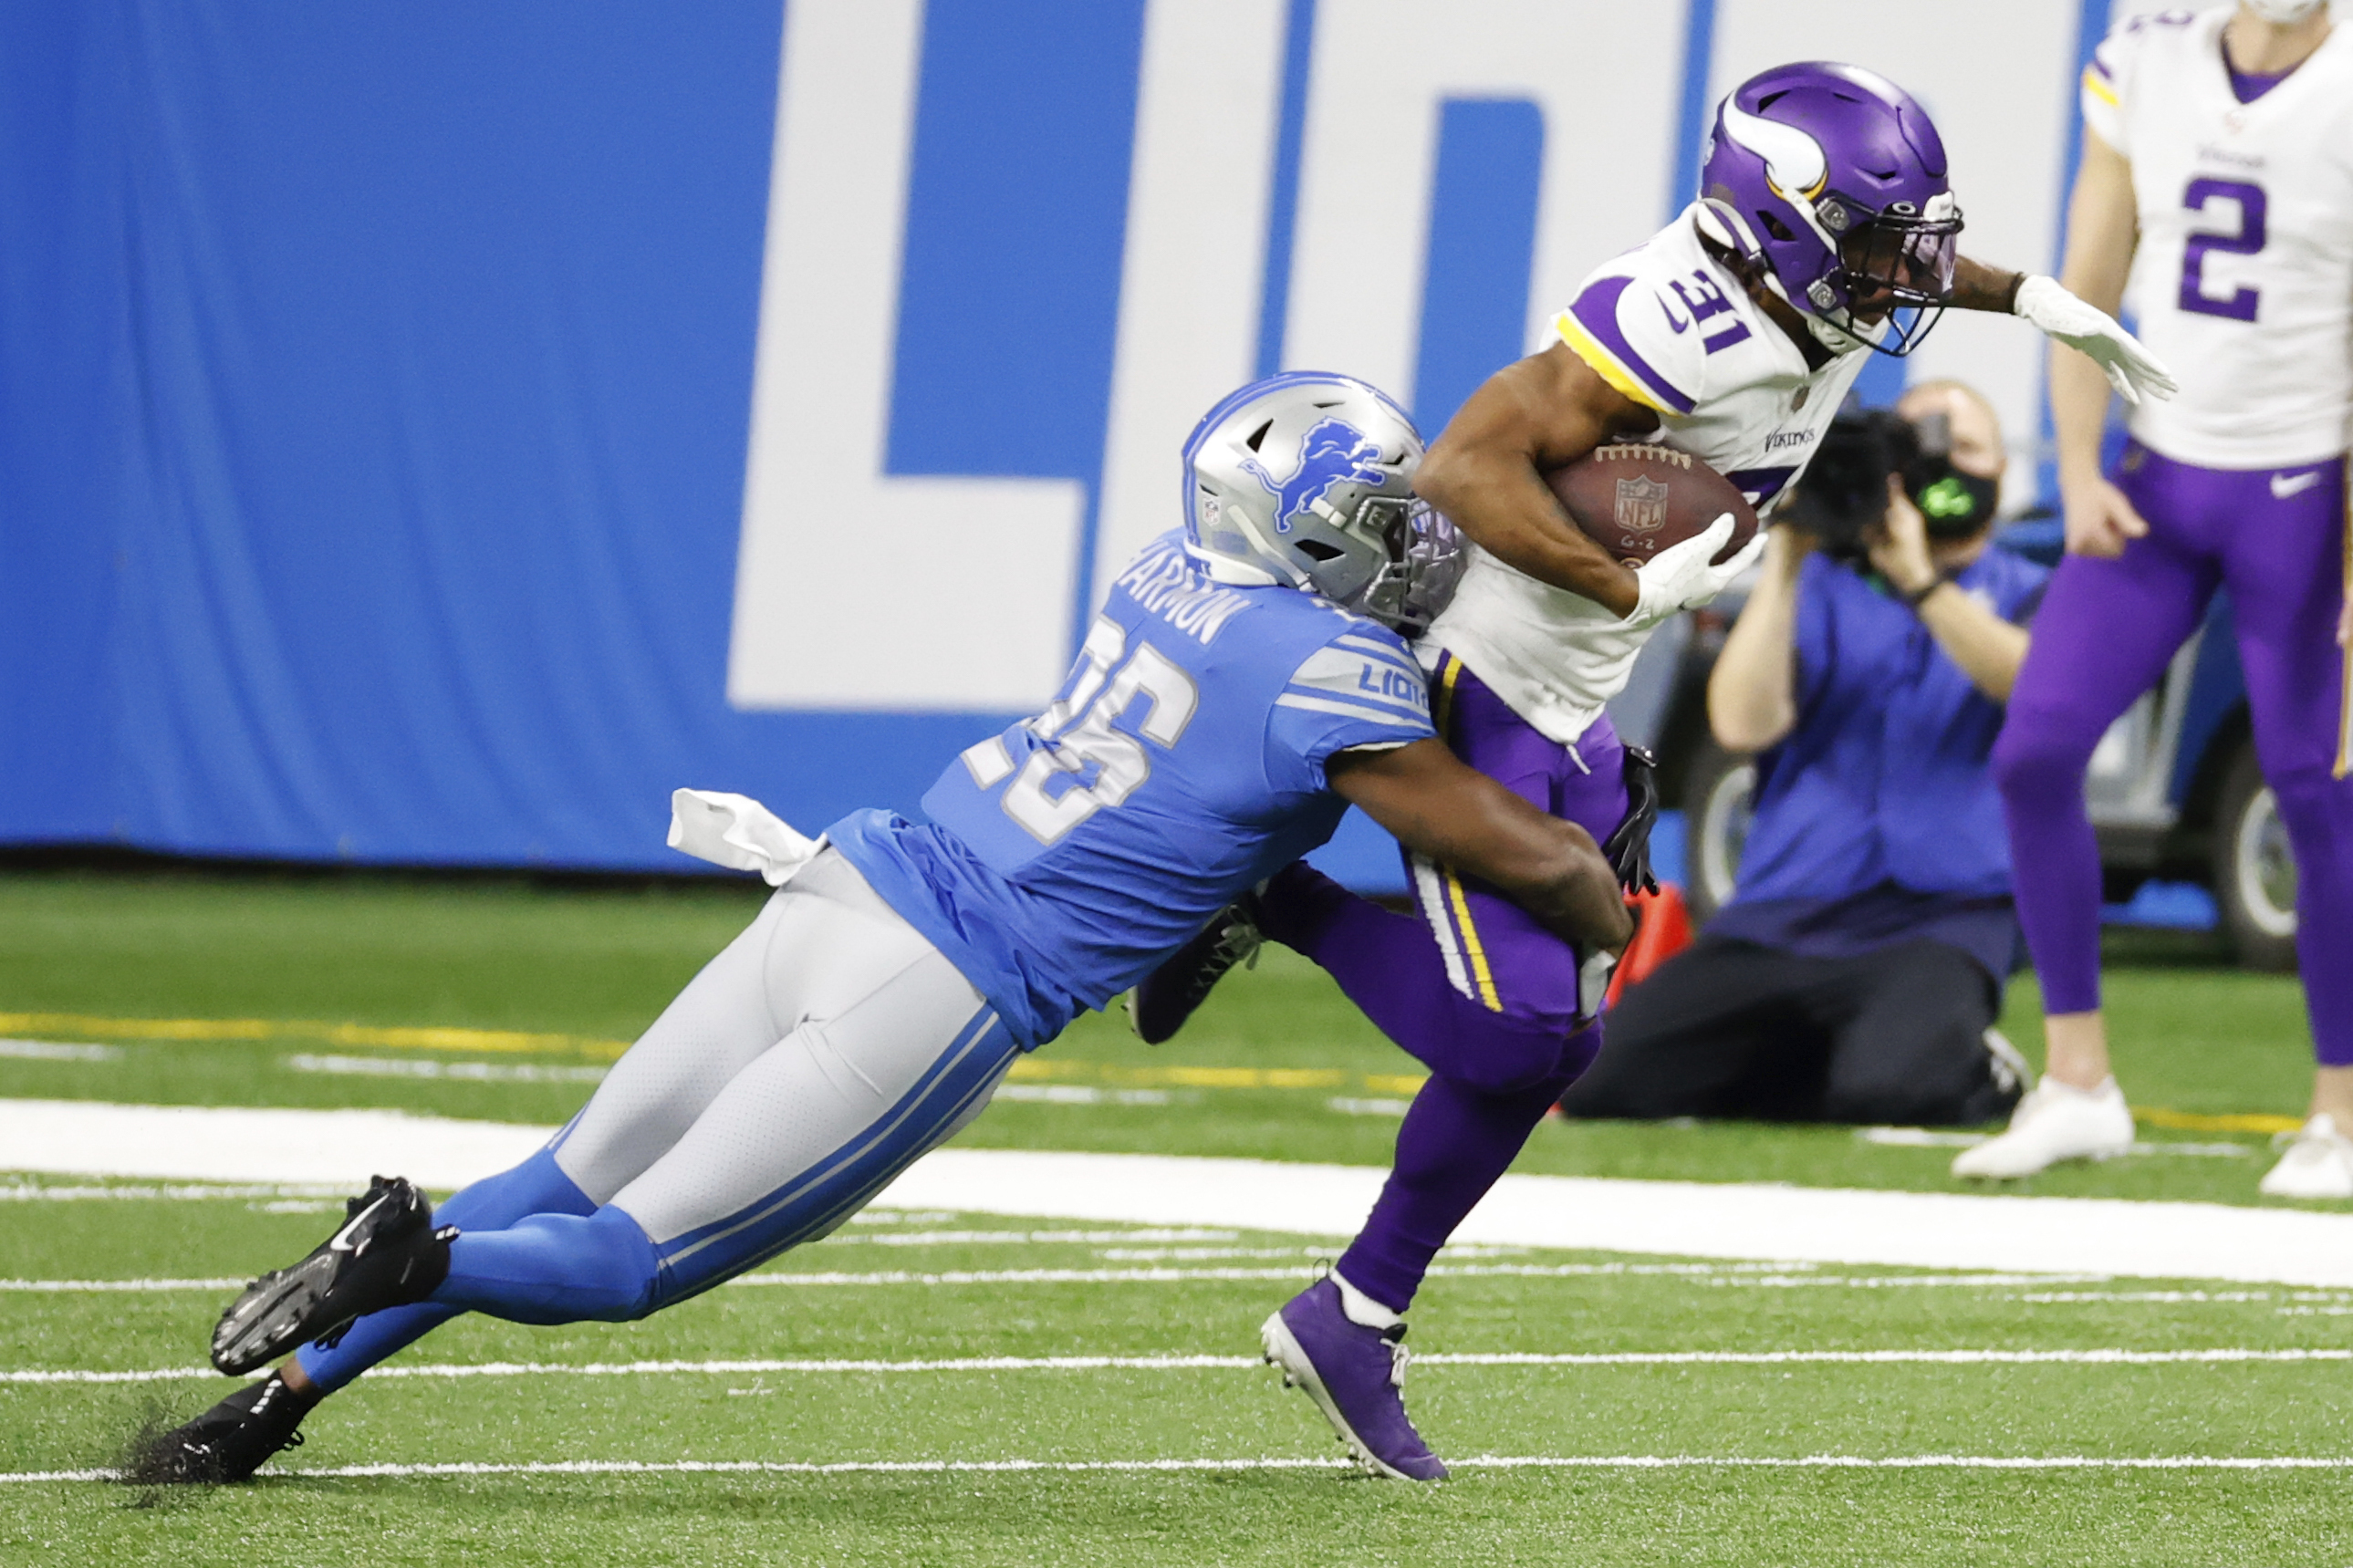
[1635, 500]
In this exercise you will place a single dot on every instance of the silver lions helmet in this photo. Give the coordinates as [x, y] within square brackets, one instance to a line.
[1306, 480]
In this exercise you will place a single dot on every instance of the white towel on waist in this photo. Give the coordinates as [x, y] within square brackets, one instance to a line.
[739, 833]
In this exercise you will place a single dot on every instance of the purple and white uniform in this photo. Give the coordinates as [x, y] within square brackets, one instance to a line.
[2242, 282]
[1671, 326]
[1521, 670]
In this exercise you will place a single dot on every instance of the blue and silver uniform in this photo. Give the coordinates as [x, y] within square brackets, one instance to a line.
[1181, 763]
[875, 1003]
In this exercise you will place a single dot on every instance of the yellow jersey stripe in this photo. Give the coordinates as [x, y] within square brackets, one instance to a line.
[1470, 944]
[1449, 669]
[1449, 666]
[1606, 365]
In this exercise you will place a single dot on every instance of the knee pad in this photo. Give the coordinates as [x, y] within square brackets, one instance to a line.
[2041, 752]
[555, 1268]
[1498, 1054]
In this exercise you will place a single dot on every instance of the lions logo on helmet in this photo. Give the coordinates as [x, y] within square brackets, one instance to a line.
[1306, 480]
[1334, 452]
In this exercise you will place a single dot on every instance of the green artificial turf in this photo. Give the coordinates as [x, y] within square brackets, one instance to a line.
[578, 968]
[596, 965]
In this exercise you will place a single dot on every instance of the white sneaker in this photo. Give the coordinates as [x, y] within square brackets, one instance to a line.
[2318, 1164]
[2055, 1121]
[2008, 1065]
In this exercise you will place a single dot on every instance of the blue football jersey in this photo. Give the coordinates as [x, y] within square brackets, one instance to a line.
[1181, 763]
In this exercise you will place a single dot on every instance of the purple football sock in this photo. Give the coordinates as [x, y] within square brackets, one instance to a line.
[2039, 762]
[1453, 1144]
[1494, 1074]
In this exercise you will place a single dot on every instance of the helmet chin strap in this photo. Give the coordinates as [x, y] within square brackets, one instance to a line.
[1835, 338]
[2284, 12]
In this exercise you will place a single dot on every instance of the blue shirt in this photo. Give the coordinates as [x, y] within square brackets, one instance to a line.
[1877, 818]
[1181, 763]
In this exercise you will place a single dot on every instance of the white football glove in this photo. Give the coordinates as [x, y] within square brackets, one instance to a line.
[1680, 577]
[2057, 314]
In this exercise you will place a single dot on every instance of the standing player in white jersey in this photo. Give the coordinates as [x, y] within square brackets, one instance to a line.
[1825, 228]
[2216, 196]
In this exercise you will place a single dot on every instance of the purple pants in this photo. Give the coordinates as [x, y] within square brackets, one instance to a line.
[1474, 988]
[2277, 539]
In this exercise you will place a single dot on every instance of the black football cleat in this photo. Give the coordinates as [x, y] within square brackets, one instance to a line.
[388, 1254]
[227, 1443]
[1165, 998]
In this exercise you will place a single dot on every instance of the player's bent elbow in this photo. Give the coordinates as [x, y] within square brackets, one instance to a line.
[1440, 480]
[1743, 733]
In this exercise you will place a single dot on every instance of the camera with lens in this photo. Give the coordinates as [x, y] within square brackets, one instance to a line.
[1845, 489]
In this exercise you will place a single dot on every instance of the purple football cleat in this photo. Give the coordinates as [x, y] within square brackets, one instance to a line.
[1354, 1375]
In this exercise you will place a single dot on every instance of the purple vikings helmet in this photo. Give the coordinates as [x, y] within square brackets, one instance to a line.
[1829, 181]
[1306, 480]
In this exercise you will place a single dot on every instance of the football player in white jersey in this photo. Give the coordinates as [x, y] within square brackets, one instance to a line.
[1825, 230]
[2216, 197]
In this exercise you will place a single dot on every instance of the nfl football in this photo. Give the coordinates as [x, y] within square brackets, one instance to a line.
[1634, 501]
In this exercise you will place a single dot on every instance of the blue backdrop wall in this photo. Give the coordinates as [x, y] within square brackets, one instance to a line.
[378, 382]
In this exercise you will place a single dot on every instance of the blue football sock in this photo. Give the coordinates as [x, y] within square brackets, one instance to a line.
[537, 1186]
[553, 1268]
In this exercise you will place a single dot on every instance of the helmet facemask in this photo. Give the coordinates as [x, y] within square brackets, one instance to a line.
[1424, 562]
[1893, 275]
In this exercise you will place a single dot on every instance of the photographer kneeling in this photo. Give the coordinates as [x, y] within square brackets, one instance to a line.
[1856, 972]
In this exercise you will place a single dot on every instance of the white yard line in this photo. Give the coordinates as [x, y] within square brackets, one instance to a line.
[1726, 1220]
[1700, 1273]
[101, 1287]
[1087, 1467]
[1304, 1270]
[177, 1192]
[52, 1051]
[817, 1366]
[430, 1067]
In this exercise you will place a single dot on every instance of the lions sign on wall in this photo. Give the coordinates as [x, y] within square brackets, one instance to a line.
[1402, 190]
[377, 477]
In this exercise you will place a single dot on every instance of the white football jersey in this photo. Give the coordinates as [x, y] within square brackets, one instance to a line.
[1671, 326]
[2242, 283]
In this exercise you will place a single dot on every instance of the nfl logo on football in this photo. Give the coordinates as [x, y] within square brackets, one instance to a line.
[1642, 505]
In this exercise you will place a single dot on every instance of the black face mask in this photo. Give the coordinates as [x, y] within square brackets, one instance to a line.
[1954, 505]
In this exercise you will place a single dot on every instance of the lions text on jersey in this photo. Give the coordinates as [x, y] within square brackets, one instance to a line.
[1182, 762]
[2243, 278]
[1670, 326]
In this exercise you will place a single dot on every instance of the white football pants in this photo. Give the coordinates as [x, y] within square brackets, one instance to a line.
[821, 1053]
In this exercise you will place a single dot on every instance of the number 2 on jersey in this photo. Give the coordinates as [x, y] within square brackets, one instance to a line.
[2239, 305]
[1120, 761]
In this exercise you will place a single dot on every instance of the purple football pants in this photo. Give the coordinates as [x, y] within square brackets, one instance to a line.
[2275, 538]
[1473, 988]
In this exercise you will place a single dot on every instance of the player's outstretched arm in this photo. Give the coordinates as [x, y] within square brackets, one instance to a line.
[1548, 409]
[1436, 804]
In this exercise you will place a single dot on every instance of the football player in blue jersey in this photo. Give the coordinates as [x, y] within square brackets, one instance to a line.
[1244, 682]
